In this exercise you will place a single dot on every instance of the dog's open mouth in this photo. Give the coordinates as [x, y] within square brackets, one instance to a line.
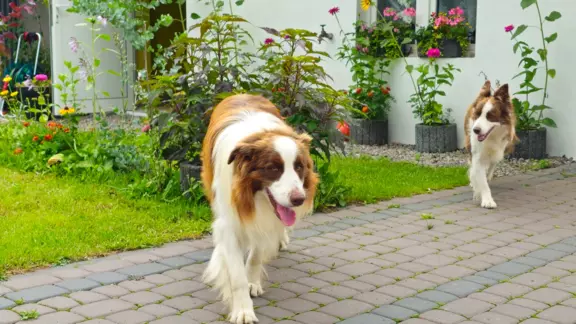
[286, 215]
[482, 137]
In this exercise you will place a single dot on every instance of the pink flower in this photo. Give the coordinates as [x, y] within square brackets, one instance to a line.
[456, 11]
[509, 28]
[145, 128]
[389, 12]
[334, 11]
[410, 12]
[41, 77]
[268, 41]
[102, 20]
[74, 45]
[287, 37]
[396, 17]
[396, 30]
[362, 27]
[365, 50]
[28, 83]
[433, 53]
[442, 20]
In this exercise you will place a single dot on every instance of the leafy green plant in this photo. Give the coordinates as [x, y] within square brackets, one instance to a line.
[29, 315]
[424, 103]
[331, 191]
[531, 116]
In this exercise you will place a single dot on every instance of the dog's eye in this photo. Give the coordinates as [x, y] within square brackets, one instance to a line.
[298, 166]
[273, 168]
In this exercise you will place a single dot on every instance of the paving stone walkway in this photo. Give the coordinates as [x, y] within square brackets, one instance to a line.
[429, 259]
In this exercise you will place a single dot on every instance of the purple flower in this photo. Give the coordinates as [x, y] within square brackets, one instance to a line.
[287, 37]
[83, 75]
[268, 41]
[102, 20]
[509, 28]
[28, 83]
[333, 11]
[74, 45]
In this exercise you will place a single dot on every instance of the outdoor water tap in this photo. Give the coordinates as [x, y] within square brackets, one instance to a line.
[324, 34]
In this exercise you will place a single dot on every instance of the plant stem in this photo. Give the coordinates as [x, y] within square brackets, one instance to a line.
[545, 60]
[94, 94]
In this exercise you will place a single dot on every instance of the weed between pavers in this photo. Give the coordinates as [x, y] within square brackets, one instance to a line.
[29, 315]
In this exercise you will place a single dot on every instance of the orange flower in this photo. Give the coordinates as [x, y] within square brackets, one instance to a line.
[18, 151]
[385, 90]
[66, 130]
[25, 124]
[358, 90]
[370, 94]
[48, 137]
[365, 109]
[35, 138]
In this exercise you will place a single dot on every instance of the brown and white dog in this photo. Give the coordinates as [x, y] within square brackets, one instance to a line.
[258, 176]
[490, 133]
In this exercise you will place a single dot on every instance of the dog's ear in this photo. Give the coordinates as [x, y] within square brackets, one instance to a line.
[502, 93]
[486, 89]
[305, 139]
[242, 151]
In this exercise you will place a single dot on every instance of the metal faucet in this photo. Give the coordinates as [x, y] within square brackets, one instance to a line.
[324, 34]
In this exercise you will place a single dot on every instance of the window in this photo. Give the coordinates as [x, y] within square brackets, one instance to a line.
[397, 5]
[469, 7]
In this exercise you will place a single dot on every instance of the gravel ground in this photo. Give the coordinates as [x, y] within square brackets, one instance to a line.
[400, 152]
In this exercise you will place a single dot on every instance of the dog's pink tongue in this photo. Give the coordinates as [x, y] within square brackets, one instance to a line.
[287, 215]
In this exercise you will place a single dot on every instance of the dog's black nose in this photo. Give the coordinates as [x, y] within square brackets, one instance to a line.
[476, 130]
[296, 198]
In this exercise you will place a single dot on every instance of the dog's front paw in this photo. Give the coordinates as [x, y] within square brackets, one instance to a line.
[255, 289]
[243, 316]
[284, 242]
[488, 203]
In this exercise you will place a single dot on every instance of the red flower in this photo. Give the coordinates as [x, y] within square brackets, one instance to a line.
[35, 138]
[358, 90]
[509, 28]
[385, 90]
[48, 137]
[370, 94]
[334, 10]
[66, 130]
[145, 128]
[344, 128]
[25, 124]
[18, 151]
[268, 41]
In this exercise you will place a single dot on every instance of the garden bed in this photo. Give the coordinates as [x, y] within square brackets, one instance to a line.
[400, 152]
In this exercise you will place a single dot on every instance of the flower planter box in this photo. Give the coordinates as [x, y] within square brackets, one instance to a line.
[189, 170]
[532, 144]
[450, 48]
[369, 132]
[436, 139]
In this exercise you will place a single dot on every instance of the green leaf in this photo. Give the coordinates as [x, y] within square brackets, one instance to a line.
[527, 3]
[552, 73]
[519, 30]
[106, 93]
[543, 54]
[195, 16]
[549, 122]
[551, 38]
[113, 73]
[105, 37]
[96, 62]
[239, 2]
[409, 68]
[554, 15]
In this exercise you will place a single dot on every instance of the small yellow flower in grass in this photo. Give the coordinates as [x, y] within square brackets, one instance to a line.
[4, 93]
[7, 78]
[14, 94]
[365, 4]
[67, 111]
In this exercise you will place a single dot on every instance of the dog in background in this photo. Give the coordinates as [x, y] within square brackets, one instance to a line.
[490, 133]
[258, 176]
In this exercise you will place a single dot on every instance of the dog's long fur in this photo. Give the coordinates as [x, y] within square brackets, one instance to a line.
[490, 133]
[250, 154]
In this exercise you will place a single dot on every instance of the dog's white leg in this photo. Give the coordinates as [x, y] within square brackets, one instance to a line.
[227, 272]
[285, 240]
[480, 184]
[254, 269]
[491, 170]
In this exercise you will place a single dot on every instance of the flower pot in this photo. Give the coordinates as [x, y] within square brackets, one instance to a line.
[436, 138]
[450, 48]
[369, 132]
[189, 170]
[531, 145]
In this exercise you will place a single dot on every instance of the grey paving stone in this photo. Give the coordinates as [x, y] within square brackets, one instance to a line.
[179, 288]
[304, 233]
[111, 291]
[107, 278]
[365, 319]
[144, 269]
[59, 303]
[460, 288]
[315, 317]
[547, 254]
[297, 305]
[6, 303]
[143, 298]
[8, 317]
[492, 275]
[158, 310]
[563, 247]
[440, 316]
[481, 280]
[559, 314]
[184, 303]
[511, 269]
[202, 315]
[490, 317]
[437, 296]
[78, 284]
[102, 308]
[341, 225]
[353, 221]
[530, 261]
[130, 317]
[40, 309]
[58, 318]
[274, 312]
[394, 312]
[467, 307]
[136, 285]
[346, 308]
[29, 281]
[174, 320]
[416, 304]
[374, 217]
[35, 294]
[87, 297]
[177, 261]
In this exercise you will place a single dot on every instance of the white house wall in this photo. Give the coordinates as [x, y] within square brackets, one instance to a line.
[493, 56]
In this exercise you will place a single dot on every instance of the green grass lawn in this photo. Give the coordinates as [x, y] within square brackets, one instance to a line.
[379, 179]
[45, 220]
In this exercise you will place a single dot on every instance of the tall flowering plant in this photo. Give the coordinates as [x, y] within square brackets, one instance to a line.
[530, 116]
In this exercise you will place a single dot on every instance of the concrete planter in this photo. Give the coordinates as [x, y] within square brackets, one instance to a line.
[436, 139]
[451, 48]
[189, 171]
[532, 144]
[369, 132]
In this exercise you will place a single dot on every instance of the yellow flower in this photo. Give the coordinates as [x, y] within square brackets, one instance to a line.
[365, 4]
[7, 78]
[14, 94]
[67, 110]
[4, 93]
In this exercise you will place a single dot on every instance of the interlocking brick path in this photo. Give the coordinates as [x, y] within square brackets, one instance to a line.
[372, 264]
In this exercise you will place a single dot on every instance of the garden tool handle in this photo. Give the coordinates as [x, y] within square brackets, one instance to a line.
[37, 51]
